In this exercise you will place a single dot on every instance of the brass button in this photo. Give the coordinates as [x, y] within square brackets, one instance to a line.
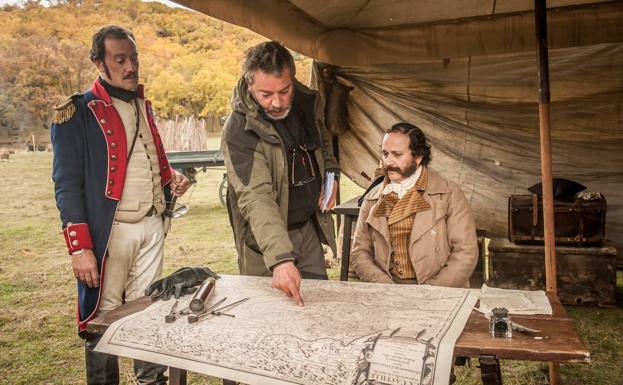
[75, 242]
[109, 192]
[69, 224]
[433, 232]
[111, 182]
[113, 168]
[92, 103]
[113, 157]
[72, 233]
[108, 132]
[397, 263]
[103, 121]
[113, 145]
[165, 167]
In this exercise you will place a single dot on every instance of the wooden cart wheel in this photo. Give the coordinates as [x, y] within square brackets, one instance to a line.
[222, 191]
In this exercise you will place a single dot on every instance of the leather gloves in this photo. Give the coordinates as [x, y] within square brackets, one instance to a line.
[179, 283]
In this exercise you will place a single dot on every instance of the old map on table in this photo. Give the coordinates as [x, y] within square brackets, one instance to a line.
[348, 333]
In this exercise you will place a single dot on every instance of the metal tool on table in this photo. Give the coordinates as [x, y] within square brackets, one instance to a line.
[202, 295]
[174, 313]
[197, 303]
[213, 311]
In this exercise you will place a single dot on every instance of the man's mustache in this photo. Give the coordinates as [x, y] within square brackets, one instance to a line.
[133, 75]
[391, 168]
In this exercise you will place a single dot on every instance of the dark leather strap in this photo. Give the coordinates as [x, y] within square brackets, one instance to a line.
[138, 122]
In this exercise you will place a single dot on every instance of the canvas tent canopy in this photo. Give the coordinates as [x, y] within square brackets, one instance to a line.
[465, 72]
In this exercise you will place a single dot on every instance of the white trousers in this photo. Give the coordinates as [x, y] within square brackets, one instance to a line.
[134, 261]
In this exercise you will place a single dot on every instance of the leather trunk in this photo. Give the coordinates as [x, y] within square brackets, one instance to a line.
[577, 222]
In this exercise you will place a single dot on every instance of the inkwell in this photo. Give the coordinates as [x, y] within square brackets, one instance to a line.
[500, 325]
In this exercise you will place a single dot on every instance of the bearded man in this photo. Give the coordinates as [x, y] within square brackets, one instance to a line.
[112, 182]
[415, 227]
[277, 151]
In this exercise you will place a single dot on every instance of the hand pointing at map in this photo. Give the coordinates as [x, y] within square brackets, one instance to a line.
[286, 278]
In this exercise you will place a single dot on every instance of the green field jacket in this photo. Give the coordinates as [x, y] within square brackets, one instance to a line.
[257, 177]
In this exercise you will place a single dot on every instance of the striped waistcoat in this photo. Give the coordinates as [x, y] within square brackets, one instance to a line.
[400, 214]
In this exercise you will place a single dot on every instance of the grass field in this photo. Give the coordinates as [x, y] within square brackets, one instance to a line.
[38, 341]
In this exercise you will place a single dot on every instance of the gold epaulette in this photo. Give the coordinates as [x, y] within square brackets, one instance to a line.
[64, 110]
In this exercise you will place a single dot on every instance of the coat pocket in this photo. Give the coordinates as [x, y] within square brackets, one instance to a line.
[129, 205]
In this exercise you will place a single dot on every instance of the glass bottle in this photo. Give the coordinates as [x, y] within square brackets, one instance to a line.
[500, 325]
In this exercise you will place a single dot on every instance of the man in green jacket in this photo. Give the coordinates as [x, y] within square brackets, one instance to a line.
[277, 153]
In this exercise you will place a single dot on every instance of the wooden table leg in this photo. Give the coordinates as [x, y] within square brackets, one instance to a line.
[554, 373]
[177, 376]
[348, 221]
[490, 372]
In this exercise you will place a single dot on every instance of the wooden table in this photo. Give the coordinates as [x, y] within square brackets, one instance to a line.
[560, 342]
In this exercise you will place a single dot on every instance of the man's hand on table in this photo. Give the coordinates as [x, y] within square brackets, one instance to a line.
[286, 277]
[84, 266]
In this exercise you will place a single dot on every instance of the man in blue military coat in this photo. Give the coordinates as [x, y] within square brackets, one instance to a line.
[112, 182]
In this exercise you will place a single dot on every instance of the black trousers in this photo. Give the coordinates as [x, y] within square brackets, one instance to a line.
[103, 369]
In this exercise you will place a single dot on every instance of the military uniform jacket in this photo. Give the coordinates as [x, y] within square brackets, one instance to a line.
[89, 167]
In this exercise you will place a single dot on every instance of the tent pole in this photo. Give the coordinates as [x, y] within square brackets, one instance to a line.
[546, 146]
[540, 16]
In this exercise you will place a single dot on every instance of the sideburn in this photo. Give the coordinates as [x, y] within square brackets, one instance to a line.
[106, 70]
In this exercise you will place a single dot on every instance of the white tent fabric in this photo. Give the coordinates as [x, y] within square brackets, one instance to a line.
[370, 32]
[465, 72]
[481, 117]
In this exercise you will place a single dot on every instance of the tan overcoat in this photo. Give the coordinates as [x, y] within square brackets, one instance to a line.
[442, 247]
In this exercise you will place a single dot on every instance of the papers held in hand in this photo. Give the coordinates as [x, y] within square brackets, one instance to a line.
[329, 180]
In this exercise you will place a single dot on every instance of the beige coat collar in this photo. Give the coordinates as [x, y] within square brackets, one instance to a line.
[423, 220]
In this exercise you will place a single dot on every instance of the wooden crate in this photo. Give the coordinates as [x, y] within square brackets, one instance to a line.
[586, 275]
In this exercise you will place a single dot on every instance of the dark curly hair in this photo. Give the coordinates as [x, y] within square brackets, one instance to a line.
[417, 140]
[98, 50]
[269, 57]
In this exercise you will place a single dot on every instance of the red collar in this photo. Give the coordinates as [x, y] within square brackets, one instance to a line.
[100, 92]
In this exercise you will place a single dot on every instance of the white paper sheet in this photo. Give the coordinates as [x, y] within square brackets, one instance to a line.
[346, 334]
[329, 180]
[516, 301]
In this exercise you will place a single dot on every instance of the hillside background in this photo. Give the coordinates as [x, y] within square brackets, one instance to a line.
[189, 62]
